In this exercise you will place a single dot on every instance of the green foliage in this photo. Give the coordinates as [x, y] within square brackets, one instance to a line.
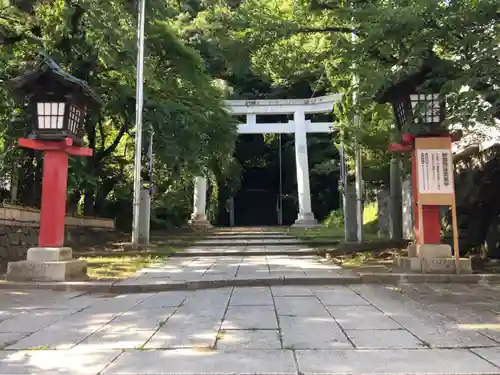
[335, 219]
[95, 40]
[293, 39]
[201, 52]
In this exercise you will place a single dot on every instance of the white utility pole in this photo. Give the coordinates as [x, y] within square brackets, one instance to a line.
[280, 199]
[358, 161]
[138, 121]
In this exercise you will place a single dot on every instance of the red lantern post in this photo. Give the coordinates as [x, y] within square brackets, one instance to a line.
[54, 186]
[419, 110]
[59, 103]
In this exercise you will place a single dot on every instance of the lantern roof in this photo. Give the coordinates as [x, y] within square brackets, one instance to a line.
[432, 69]
[49, 70]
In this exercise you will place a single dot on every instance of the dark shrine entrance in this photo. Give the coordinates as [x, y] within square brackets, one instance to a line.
[257, 201]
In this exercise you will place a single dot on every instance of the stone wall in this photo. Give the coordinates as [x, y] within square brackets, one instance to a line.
[19, 229]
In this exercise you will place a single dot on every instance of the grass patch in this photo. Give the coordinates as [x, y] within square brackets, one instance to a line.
[369, 261]
[332, 227]
[358, 259]
[320, 233]
[119, 267]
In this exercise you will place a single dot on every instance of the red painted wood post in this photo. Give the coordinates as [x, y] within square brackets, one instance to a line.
[54, 186]
[54, 191]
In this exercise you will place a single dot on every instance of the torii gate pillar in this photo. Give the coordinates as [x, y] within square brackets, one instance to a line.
[305, 217]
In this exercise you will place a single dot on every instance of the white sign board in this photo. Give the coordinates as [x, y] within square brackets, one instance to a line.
[435, 171]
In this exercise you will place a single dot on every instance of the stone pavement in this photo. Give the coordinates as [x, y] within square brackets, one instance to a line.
[203, 268]
[296, 330]
[362, 329]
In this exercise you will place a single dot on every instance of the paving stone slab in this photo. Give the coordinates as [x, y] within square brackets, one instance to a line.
[186, 331]
[33, 321]
[33, 299]
[192, 362]
[51, 338]
[253, 272]
[163, 299]
[216, 276]
[384, 339]
[6, 314]
[288, 291]
[490, 354]
[300, 332]
[106, 340]
[78, 303]
[55, 362]
[432, 328]
[415, 362]
[86, 321]
[250, 317]
[114, 305]
[300, 306]
[248, 339]
[7, 339]
[140, 320]
[339, 296]
[254, 296]
[361, 317]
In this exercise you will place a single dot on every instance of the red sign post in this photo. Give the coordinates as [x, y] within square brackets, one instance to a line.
[432, 186]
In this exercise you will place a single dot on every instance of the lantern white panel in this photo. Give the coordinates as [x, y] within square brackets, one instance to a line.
[60, 122]
[47, 108]
[60, 111]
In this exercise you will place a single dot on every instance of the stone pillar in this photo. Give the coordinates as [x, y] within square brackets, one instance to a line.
[407, 209]
[351, 223]
[144, 217]
[396, 202]
[305, 217]
[199, 216]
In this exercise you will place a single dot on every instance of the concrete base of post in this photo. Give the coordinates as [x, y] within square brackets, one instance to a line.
[306, 220]
[432, 258]
[48, 264]
[199, 222]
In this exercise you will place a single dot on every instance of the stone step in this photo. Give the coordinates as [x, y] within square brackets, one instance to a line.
[230, 253]
[131, 286]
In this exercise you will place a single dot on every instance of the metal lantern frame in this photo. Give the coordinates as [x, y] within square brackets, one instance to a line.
[57, 117]
[416, 101]
[419, 108]
[58, 102]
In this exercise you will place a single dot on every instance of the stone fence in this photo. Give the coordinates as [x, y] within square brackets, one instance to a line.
[19, 229]
[383, 201]
[25, 216]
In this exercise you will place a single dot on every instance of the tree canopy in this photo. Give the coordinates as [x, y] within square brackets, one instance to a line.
[199, 52]
[95, 41]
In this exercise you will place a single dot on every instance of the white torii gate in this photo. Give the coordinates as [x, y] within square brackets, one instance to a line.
[299, 125]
